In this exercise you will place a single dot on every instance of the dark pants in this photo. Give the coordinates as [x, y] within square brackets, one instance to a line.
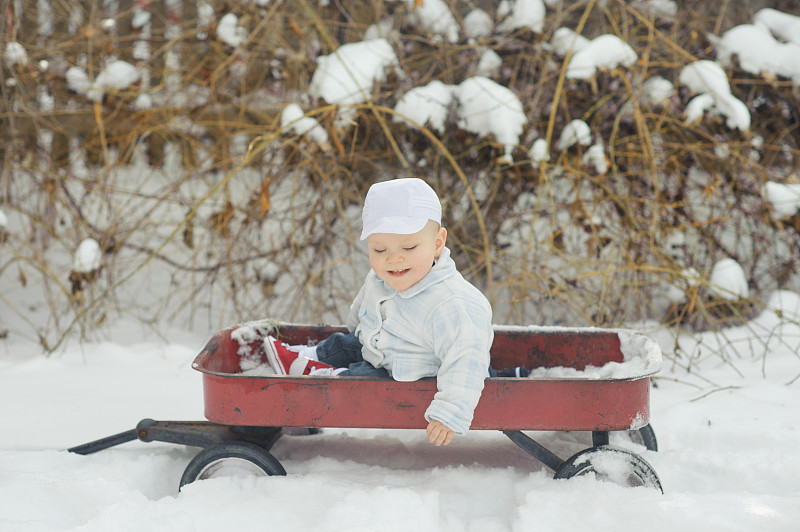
[344, 351]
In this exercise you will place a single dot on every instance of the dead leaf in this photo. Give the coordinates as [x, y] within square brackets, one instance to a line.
[794, 221]
[692, 299]
[188, 234]
[295, 27]
[50, 188]
[76, 281]
[417, 3]
[264, 197]
[337, 143]
[221, 221]
[22, 278]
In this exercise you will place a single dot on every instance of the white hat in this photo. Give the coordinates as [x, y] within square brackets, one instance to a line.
[400, 207]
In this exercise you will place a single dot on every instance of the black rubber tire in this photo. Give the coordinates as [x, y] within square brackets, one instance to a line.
[644, 436]
[231, 459]
[637, 472]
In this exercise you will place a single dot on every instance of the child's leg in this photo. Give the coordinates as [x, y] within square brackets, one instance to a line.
[519, 371]
[340, 350]
[364, 369]
[344, 351]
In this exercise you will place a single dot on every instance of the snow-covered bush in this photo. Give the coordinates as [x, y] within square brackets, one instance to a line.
[230, 165]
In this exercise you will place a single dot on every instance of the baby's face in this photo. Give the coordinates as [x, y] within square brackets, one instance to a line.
[403, 260]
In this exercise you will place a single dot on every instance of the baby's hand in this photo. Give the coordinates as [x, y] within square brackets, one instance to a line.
[438, 433]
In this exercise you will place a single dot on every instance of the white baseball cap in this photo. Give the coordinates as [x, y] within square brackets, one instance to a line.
[399, 207]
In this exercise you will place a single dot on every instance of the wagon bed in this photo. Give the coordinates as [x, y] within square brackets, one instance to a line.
[583, 379]
[236, 398]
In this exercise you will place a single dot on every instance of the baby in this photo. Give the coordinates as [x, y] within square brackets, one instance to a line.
[415, 315]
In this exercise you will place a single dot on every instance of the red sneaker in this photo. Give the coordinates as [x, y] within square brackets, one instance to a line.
[306, 366]
[279, 355]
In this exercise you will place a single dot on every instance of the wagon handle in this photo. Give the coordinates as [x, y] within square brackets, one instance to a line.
[192, 433]
[105, 443]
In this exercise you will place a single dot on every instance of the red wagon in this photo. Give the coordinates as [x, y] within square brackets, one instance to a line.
[583, 379]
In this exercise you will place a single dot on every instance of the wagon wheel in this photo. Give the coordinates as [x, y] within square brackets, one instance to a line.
[232, 459]
[645, 436]
[612, 464]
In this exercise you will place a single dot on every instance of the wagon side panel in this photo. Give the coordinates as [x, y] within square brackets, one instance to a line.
[506, 404]
[531, 404]
[317, 402]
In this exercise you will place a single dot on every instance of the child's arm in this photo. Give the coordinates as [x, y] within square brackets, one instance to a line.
[438, 433]
[462, 334]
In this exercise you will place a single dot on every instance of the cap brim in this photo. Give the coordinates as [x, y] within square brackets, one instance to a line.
[395, 225]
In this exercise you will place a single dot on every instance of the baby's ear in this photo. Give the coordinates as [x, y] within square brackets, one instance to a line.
[441, 240]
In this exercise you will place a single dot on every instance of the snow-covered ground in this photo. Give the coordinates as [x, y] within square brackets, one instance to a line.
[728, 436]
[729, 429]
